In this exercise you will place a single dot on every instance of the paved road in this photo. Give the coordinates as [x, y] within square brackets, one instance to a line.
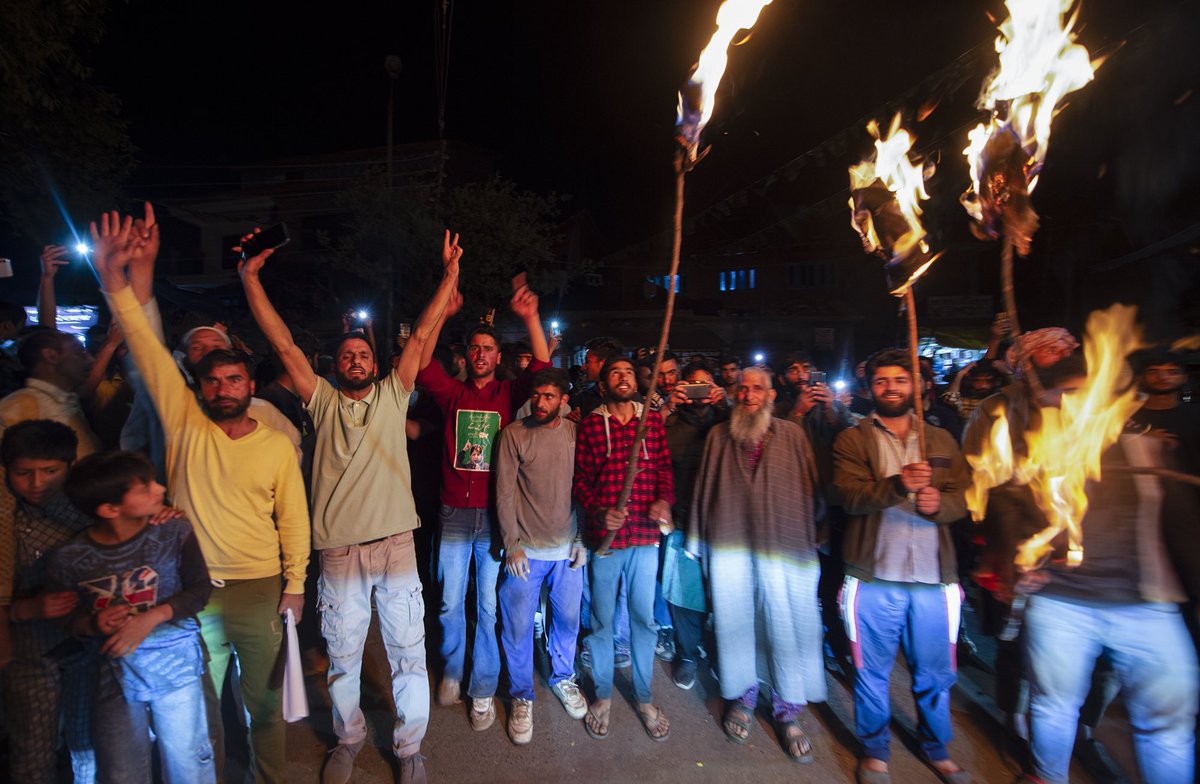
[697, 750]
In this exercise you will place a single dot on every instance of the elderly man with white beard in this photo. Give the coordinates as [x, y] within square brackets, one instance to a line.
[754, 521]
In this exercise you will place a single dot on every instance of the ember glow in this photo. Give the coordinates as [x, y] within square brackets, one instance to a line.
[886, 192]
[1064, 452]
[697, 98]
[1040, 64]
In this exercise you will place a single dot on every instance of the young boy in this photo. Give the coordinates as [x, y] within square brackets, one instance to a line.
[47, 680]
[140, 587]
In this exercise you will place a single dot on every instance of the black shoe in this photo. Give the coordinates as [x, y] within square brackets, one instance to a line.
[664, 648]
[685, 673]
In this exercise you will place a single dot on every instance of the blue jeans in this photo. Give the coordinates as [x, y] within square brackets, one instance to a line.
[621, 619]
[639, 567]
[350, 576]
[923, 619]
[1154, 659]
[466, 533]
[518, 603]
[121, 734]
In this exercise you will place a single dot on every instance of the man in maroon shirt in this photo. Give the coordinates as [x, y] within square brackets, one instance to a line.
[474, 411]
[602, 451]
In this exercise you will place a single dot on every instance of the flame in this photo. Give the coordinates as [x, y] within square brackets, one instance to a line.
[904, 241]
[1064, 452]
[1040, 63]
[732, 16]
[992, 468]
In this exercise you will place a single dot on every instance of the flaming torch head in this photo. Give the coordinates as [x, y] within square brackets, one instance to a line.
[697, 96]
[1040, 63]
[885, 195]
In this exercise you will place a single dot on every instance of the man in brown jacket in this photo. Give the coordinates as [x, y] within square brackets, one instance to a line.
[901, 582]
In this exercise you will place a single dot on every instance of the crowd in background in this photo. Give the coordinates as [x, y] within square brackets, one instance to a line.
[172, 505]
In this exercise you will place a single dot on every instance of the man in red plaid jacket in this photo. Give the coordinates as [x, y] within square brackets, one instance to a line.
[602, 452]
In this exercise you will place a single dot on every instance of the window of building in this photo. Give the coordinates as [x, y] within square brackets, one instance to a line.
[732, 280]
[810, 274]
[661, 281]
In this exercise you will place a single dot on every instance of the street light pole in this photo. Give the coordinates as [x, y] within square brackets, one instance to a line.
[393, 66]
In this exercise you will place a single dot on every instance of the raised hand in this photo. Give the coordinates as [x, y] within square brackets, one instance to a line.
[53, 257]
[525, 304]
[146, 231]
[115, 244]
[451, 253]
[253, 265]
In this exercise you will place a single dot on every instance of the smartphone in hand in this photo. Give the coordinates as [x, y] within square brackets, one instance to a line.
[268, 239]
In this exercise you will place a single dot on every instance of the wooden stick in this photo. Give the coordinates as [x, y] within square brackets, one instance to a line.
[1010, 307]
[681, 169]
[910, 306]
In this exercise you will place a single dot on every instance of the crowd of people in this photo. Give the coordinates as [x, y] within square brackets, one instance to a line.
[161, 526]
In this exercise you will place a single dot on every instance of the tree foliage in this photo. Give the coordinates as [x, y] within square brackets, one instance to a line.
[503, 229]
[60, 134]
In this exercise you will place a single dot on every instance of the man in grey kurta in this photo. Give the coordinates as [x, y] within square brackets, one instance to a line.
[753, 519]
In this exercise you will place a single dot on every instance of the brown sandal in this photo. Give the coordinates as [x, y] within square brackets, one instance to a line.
[656, 724]
[795, 741]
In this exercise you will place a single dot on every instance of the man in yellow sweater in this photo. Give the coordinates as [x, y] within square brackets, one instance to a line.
[239, 483]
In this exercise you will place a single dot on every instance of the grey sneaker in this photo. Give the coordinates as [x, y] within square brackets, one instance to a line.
[664, 648]
[520, 721]
[483, 713]
[412, 769]
[339, 764]
[568, 693]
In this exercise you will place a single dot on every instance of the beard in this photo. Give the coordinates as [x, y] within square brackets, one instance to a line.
[891, 408]
[619, 395]
[356, 384]
[221, 409]
[749, 427]
[544, 418]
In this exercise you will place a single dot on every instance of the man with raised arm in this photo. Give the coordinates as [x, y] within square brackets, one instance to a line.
[474, 411]
[239, 483]
[363, 518]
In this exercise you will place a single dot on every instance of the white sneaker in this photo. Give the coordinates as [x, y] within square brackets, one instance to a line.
[520, 722]
[571, 697]
[483, 713]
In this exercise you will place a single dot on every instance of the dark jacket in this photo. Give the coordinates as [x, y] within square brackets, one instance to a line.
[864, 493]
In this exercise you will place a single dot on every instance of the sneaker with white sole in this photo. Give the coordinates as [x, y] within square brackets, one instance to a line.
[568, 693]
[520, 721]
[483, 713]
[685, 673]
[664, 647]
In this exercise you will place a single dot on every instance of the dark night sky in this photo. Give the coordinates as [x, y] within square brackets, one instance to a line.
[575, 97]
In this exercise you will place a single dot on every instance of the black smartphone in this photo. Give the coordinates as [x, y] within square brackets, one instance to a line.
[816, 377]
[273, 238]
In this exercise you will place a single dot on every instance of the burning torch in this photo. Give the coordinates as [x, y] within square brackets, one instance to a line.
[885, 195]
[696, 103]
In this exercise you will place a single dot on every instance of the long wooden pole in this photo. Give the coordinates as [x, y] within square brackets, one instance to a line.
[910, 307]
[1010, 307]
[682, 165]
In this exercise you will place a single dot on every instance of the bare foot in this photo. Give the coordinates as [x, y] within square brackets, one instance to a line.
[876, 765]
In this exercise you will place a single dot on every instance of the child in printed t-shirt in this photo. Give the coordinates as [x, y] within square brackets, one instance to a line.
[46, 683]
[140, 587]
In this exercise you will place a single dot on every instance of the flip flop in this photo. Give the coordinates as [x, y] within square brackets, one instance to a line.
[602, 732]
[656, 724]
